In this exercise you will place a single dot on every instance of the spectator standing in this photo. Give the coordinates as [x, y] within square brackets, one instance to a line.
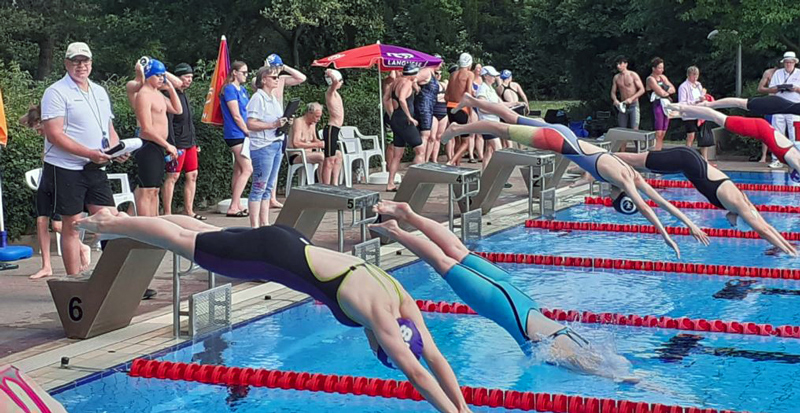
[78, 125]
[233, 102]
[785, 83]
[629, 86]
[660, 88]
[182, 134]
[440, 119]
[264, 117]
[332, 165]
[690, 92]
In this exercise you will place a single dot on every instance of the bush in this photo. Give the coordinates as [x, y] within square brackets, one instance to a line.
[24, 151]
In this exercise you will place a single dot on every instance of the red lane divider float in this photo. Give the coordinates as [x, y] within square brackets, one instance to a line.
[664, 183]
[391, 389]
[605, 201]
[588, 317]
[643, 265]
[647, 229]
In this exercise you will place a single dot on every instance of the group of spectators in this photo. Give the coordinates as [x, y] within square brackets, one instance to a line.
[627, 88]
[417, 103]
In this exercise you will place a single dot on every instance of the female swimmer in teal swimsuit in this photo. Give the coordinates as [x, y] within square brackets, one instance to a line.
[488, 290]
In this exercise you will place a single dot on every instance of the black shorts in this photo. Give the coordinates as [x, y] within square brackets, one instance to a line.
[233, 142]
[46, 195]
[150, 165]
[73, 190]
[330, 136]
[690, 126]
[489, 137]
[405, 133]
[461, 117]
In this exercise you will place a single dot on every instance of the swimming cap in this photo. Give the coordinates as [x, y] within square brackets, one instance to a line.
[624, 204]
[154, 67]
[273, 60]
[452, 68]
[183, 69]
[795, 175]
[411, 337]
[465, 60]
[410, 69]
[335, 74]
[505, 74]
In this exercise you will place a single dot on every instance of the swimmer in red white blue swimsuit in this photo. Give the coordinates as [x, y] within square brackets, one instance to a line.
[358, 294]
[489, 291]
[602, 165]
[711, 183]
[756, 128]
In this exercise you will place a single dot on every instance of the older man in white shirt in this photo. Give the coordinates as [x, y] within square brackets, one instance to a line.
[785, 83]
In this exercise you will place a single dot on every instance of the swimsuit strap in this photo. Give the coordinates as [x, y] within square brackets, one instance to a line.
[575, 337]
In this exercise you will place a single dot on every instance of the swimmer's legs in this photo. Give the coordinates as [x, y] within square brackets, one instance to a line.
[726, 103]
[699, 112]
[483, 127]
[422, 248]
[187, 222]
[503, 111]
[448, 242]
[154, 231]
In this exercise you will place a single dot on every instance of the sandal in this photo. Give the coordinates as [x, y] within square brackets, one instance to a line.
[199, 217]
[237, 214]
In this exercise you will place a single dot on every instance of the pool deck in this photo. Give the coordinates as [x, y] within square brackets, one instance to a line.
[31, 336]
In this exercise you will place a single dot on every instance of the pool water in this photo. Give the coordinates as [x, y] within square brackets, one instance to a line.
[723, 371]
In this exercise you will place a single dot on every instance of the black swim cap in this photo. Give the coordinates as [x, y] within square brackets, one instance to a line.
[410, 69]
[624, 204]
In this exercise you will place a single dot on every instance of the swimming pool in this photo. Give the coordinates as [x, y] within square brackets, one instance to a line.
[722, 371]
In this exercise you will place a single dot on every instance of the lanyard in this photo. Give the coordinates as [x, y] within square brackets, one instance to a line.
[98, 115]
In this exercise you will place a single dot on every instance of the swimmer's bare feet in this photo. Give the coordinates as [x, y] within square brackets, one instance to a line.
[387, 208]
[584, 179]
[673, 110]
[86, 257]
[42, 273]
[451, 132]
[732, 218]
[95, 223]
[466, 100]
[275, 204]
[386, 228]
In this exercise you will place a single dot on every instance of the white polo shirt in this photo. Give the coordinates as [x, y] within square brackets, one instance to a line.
[781, 77]
[87, 118]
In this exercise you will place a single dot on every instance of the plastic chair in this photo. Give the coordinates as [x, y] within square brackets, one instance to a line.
[125, 195]
[351, 153]
[307, 171]
[32, 179]
[353, 132]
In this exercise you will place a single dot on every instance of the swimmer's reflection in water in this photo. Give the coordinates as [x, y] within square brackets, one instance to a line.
[213, 347]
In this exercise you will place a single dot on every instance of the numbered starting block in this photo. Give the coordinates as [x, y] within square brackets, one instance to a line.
[107, 299]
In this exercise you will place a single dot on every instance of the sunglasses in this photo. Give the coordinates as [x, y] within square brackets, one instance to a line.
[438, 73]
[79, 62]
[272, 77]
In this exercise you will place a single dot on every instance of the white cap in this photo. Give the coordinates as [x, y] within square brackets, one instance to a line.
[789, 56]
[465, 60]
[78, 49]
[334, 75]
[489, 70]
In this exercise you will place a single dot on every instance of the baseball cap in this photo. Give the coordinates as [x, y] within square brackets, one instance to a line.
[489, 70]
[78, 49]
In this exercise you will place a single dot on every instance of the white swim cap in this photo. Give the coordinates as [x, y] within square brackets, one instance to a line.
[465, 60]
[335, 74]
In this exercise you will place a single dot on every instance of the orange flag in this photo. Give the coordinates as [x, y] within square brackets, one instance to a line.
[3, 125]
[212, 113]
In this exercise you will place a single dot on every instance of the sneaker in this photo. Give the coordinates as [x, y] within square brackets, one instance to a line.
[776, 165]
[622, 107]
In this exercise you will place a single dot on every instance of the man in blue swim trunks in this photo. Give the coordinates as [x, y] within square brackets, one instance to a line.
[489, 291]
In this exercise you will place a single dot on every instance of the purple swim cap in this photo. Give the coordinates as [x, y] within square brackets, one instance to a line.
[795, 176]
[412, 338]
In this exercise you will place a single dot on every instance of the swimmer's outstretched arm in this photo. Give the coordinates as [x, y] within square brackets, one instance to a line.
[648, 190]
[766, 231]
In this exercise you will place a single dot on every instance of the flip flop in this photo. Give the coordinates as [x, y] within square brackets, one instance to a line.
[392, 190]
[238, 214]
[199, 217]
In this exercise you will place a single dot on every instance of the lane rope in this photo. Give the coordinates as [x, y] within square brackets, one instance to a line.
[666, 183]
[642, 265]
[391, 389]
[650, 321]
[647, 229]
[606, 201]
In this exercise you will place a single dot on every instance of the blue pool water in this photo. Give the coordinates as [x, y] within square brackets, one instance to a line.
[307, 338]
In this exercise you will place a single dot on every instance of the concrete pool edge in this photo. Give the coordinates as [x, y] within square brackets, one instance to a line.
[151, 333]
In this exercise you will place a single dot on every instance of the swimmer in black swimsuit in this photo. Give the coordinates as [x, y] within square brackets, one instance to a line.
[403, 123]
[713, 184]
[761, 105]
[359, 294]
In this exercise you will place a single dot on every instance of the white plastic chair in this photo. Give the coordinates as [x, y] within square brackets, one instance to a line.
[307, 171]
[32, 179]
[351, 153]
[353, 132]
[125, 195]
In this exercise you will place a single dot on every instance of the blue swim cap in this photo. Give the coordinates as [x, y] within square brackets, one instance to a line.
[795, 175]
[273, 60]
[411, 337]
[505, 74]
[154, 67]
[624, 204]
